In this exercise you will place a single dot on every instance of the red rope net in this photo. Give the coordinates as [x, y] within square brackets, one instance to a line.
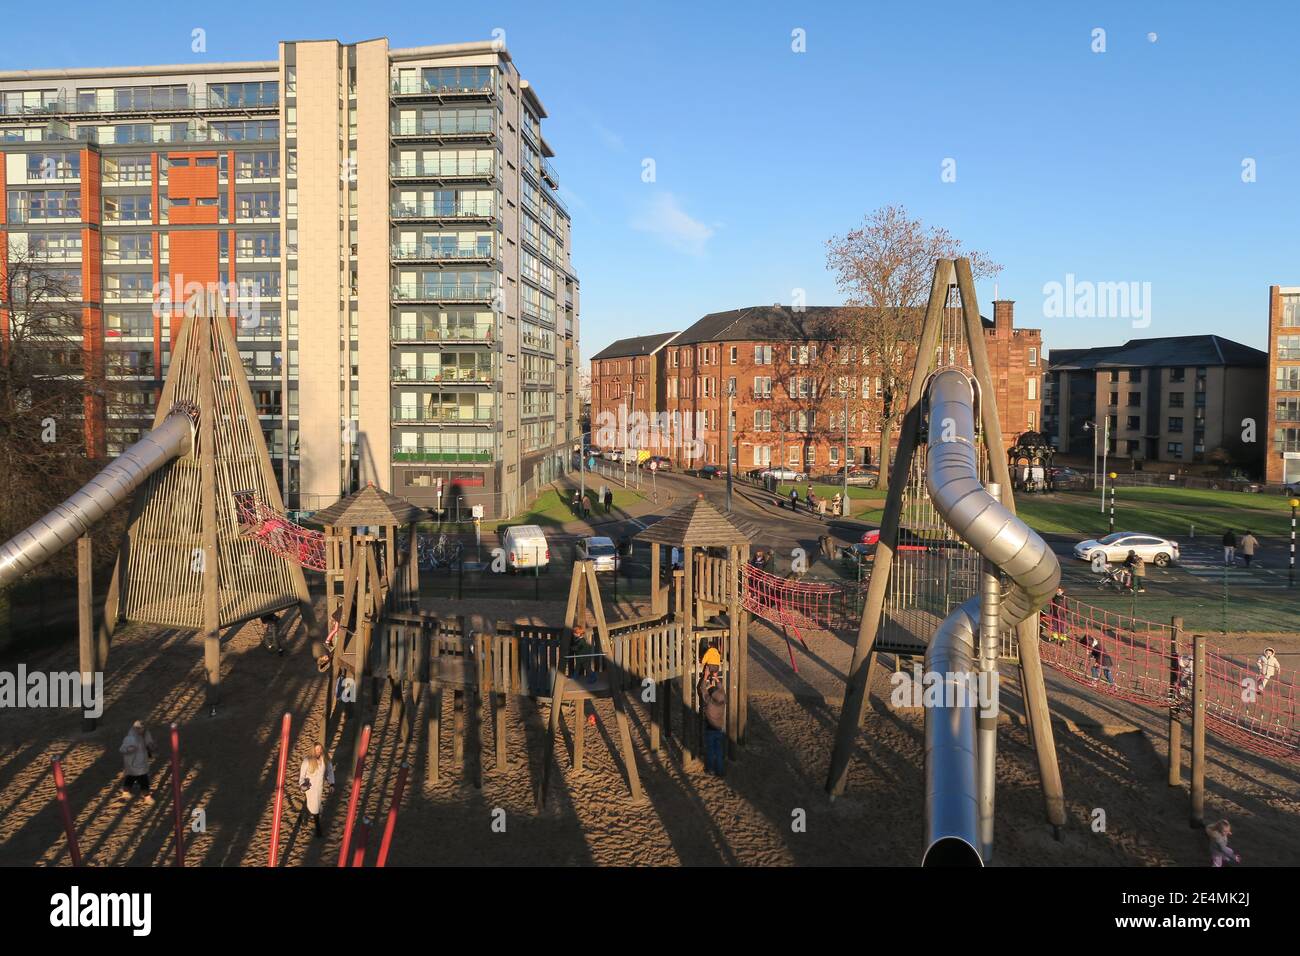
[1249, 702]
[787, 602]
[273, 530]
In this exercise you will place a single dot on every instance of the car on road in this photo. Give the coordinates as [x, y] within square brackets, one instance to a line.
[1161, 552]
[612, 454]
[908, 540]
[600, 552]
[782, 474]
[709, 471]
[526, 547]
[659, 461]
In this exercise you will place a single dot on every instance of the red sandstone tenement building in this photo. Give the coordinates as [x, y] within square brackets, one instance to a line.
[627, 377]
[784, 370]
[1282, 454]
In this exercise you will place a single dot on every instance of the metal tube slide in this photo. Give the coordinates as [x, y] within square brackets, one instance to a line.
[952, 477]
[61, 527]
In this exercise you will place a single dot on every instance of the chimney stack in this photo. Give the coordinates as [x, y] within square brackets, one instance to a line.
[1003, 315]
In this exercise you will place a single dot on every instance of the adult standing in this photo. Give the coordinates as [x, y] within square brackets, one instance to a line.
[315, 773]
[136, 751]
[1249, 545]
[1229, 548]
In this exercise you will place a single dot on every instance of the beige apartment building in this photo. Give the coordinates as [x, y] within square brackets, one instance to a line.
[385, 223]
[1282, 461]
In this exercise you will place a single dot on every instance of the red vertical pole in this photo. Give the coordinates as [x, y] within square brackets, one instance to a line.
[279, 791]
[359, 851]
[355, 796]
[176, 795]
[61, 788]
[391, 824]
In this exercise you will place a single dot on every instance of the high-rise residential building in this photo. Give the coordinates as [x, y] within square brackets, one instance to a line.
[1282, 456]
[1185, 399]
[385, 223]
[783, 375]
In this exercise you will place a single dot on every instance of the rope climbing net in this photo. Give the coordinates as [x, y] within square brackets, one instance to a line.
[1250, 703]
[788, 602]
[274, 531]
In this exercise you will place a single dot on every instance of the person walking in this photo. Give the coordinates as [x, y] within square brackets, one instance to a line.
[1249, 545]
[315, 773]
[1229, 548]
[821, 507]
[1101, 661]
[1268, 666]
[1053, 621]
[1220, 853]
[810, 496]
[136, 751]
[1138, 570]
[836, 504]
[794, 499]
[713, 702]
[271, 633]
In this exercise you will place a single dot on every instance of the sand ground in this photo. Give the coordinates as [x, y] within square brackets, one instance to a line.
[1112, 758]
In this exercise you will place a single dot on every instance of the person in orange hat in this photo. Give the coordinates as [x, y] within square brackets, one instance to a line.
[713, 703]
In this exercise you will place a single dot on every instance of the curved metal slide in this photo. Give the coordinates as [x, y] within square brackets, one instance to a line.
[111, 487]
[958, 770]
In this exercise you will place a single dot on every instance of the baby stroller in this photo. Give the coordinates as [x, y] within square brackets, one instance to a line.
[1120, 578]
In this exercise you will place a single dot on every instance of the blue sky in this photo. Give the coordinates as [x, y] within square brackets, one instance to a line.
[1122, 166]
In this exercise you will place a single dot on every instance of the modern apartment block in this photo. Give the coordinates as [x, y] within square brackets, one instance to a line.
[1174, 399]
[1282, 456]
[386, 220]
[782, 370]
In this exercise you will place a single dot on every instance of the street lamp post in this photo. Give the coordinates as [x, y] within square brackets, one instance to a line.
[731, 394]
[844, 499]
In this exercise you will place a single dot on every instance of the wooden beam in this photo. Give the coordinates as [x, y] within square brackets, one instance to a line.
[1175, 722]
[1036, 704]
[210, 567]
[1198, 731]
[857, 686]
[88, 658]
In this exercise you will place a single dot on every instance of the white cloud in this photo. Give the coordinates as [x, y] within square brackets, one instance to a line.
[664, 217]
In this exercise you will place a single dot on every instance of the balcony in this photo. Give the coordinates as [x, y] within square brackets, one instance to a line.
[444, 457]
[434, 210]
[53, 173]
[483, 292]
[422, 89]
[444, 414]
[139, 296]
[434, 131]
[51, 212]
[441, 375]
[147, 104]
[453, 170]
[437, 334]
[431, 252]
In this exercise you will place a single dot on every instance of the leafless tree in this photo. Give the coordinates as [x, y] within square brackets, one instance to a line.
[884, 268]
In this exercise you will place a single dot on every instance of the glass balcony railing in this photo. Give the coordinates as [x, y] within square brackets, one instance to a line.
[142, 101]
[440, 333]
[437, 209]
[445, 413]
[439, 126]
[450, 168]
[442, 374]
[44, 213]
[445, 456]
[434, 251]
[445, 292]
[424, 85]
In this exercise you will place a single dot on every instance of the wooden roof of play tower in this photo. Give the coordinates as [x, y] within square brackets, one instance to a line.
[698, 524]
[370, 506]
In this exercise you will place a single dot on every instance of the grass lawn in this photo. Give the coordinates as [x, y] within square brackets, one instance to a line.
[551, 510]
[862, 500]
[1204, 610]
[1168, 512]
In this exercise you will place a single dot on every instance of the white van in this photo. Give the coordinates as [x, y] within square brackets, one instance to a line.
[526, 547]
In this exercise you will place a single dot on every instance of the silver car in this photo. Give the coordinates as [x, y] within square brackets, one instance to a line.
[1161, 552]
[600, 552]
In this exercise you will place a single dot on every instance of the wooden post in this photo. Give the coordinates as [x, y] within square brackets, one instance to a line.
[433, 731]
[857, 687]
[458, 728]
[733, 571]
[657, 604]
[1036, 706]
[579, 733]
[557, 701]
[1198, 731]
[86, 626]
[208, 560]
[690, 659]
[1175, 722]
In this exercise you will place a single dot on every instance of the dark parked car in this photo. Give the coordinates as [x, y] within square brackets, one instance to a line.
[709, 471]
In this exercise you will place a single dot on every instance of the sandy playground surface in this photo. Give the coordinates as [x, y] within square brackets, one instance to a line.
[1112, 758]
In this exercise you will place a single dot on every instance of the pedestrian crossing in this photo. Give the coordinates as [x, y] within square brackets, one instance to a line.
[1207, 565]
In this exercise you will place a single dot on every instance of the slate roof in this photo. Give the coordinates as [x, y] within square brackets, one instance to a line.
[633, 347]
[1174, 350]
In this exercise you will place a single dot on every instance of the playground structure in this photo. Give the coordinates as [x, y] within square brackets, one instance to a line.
[182, 562]
[950, 490]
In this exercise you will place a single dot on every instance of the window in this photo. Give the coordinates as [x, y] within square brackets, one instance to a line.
[1033, 388]
[1288, 346]
[762, 420]
[1033, 356]
[1134, 423]
[1114, 399]
[762, 355]
[1176, 399]
[1135, 375]
[763, 386]
[1178, 375]
[1288, 378]
[1287, 410]
[1291, 311]
[1134, 399]
[735, 355]
[1175, 448]
[1175, 424]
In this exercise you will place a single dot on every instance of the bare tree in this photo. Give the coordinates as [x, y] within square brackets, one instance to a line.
[884, 268]
[48, 387]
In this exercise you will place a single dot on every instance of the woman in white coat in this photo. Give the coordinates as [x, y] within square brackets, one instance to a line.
[315, 774]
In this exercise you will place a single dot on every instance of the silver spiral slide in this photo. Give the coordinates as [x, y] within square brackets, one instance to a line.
[108, 489]
[958, 772]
